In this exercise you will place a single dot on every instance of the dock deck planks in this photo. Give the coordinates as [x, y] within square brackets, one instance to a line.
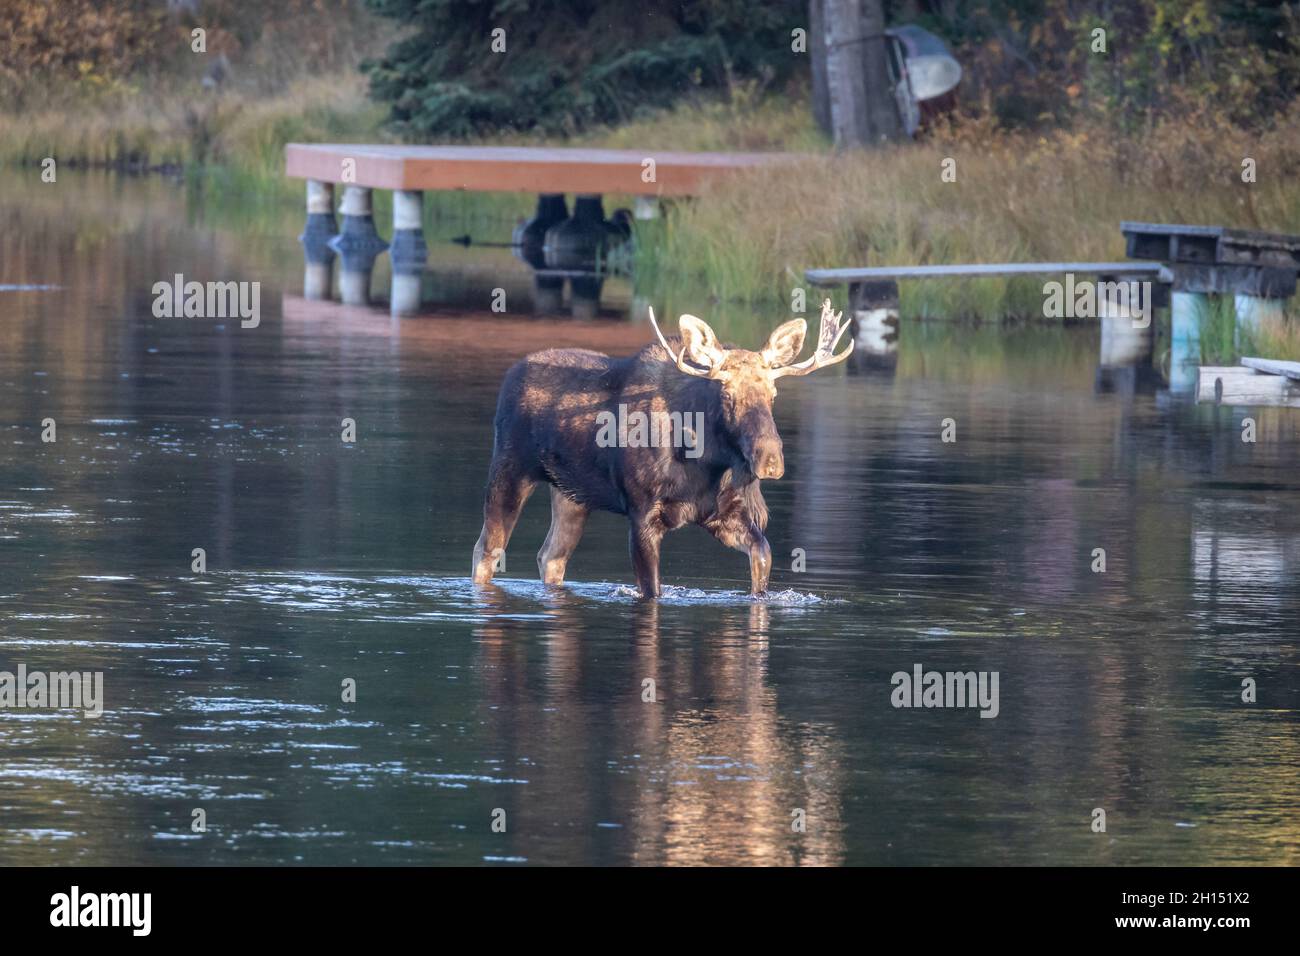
[826, 277]
[520, 168]
[1290, 370]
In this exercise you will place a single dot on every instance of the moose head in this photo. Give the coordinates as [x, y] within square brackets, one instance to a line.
[748, 379]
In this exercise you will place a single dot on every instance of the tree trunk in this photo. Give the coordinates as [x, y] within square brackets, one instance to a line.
[821, 96]
[863, 111]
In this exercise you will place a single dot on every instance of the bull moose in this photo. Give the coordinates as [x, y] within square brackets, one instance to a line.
[556, 405]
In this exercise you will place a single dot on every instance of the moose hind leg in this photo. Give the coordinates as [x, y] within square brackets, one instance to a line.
[505, 497]
[568, 518]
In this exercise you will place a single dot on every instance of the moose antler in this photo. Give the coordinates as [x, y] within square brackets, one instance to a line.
[679, 358]
[832, 330]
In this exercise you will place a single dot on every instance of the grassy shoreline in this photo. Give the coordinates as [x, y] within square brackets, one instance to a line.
[1016, 196]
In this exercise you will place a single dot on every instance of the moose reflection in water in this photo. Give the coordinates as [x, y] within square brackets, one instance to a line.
[549, 413]
[707, 764]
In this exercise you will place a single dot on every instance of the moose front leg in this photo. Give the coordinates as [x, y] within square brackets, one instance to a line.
[739, 532]
[760, 562]
[643, 541]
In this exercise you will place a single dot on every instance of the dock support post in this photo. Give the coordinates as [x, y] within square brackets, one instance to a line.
[1127, 332]
[551, 211]
[316, 235]
[1126, 324]
[1185, 312]
[874, 308]
[355, 270]
[646, 207]
[579, 238]
[358, 233]
[408, 252]
[548, 294]
[584, 295]
[358, 245]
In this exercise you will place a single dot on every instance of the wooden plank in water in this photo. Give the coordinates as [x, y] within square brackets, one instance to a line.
[521, 168]
[1148, 270]
[1274, 367]
[1236, 385]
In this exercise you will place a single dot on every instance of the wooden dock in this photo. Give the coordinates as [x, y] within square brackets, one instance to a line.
[553, 238]
[873, 296]
[1135, 270]
[1185, 263]
[523, 169]
[1255, 381]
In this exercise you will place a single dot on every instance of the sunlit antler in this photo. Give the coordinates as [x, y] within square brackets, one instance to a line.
[832, 330]
[679, 358]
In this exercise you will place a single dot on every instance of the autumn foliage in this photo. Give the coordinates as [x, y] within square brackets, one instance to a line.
[79, 40]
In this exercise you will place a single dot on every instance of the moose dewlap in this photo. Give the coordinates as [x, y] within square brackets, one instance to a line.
[573, 418]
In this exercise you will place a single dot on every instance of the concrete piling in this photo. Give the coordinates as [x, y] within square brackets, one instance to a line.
[874, 306]
[316, 235]
[408, 252]
[358, 233]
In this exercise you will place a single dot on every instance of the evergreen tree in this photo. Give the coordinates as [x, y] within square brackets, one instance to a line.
[477, 66]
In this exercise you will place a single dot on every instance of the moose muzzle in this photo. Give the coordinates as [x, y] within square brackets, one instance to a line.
[767, 461]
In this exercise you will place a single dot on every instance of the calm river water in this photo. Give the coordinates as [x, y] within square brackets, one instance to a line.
[329, 561]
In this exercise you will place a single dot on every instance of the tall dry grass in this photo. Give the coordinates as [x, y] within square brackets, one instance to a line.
[190, 126]
[1017, 197]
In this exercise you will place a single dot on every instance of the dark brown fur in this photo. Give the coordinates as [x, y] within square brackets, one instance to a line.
[545, 431]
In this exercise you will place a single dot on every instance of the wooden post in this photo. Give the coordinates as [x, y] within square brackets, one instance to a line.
[863, 112]
[1184, 340]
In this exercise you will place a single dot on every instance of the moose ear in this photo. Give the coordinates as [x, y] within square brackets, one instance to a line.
[702, 345]
[785, 344]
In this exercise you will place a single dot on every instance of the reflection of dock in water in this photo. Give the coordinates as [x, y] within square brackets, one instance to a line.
[584, 257]
[552, 240]
[462, 332]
